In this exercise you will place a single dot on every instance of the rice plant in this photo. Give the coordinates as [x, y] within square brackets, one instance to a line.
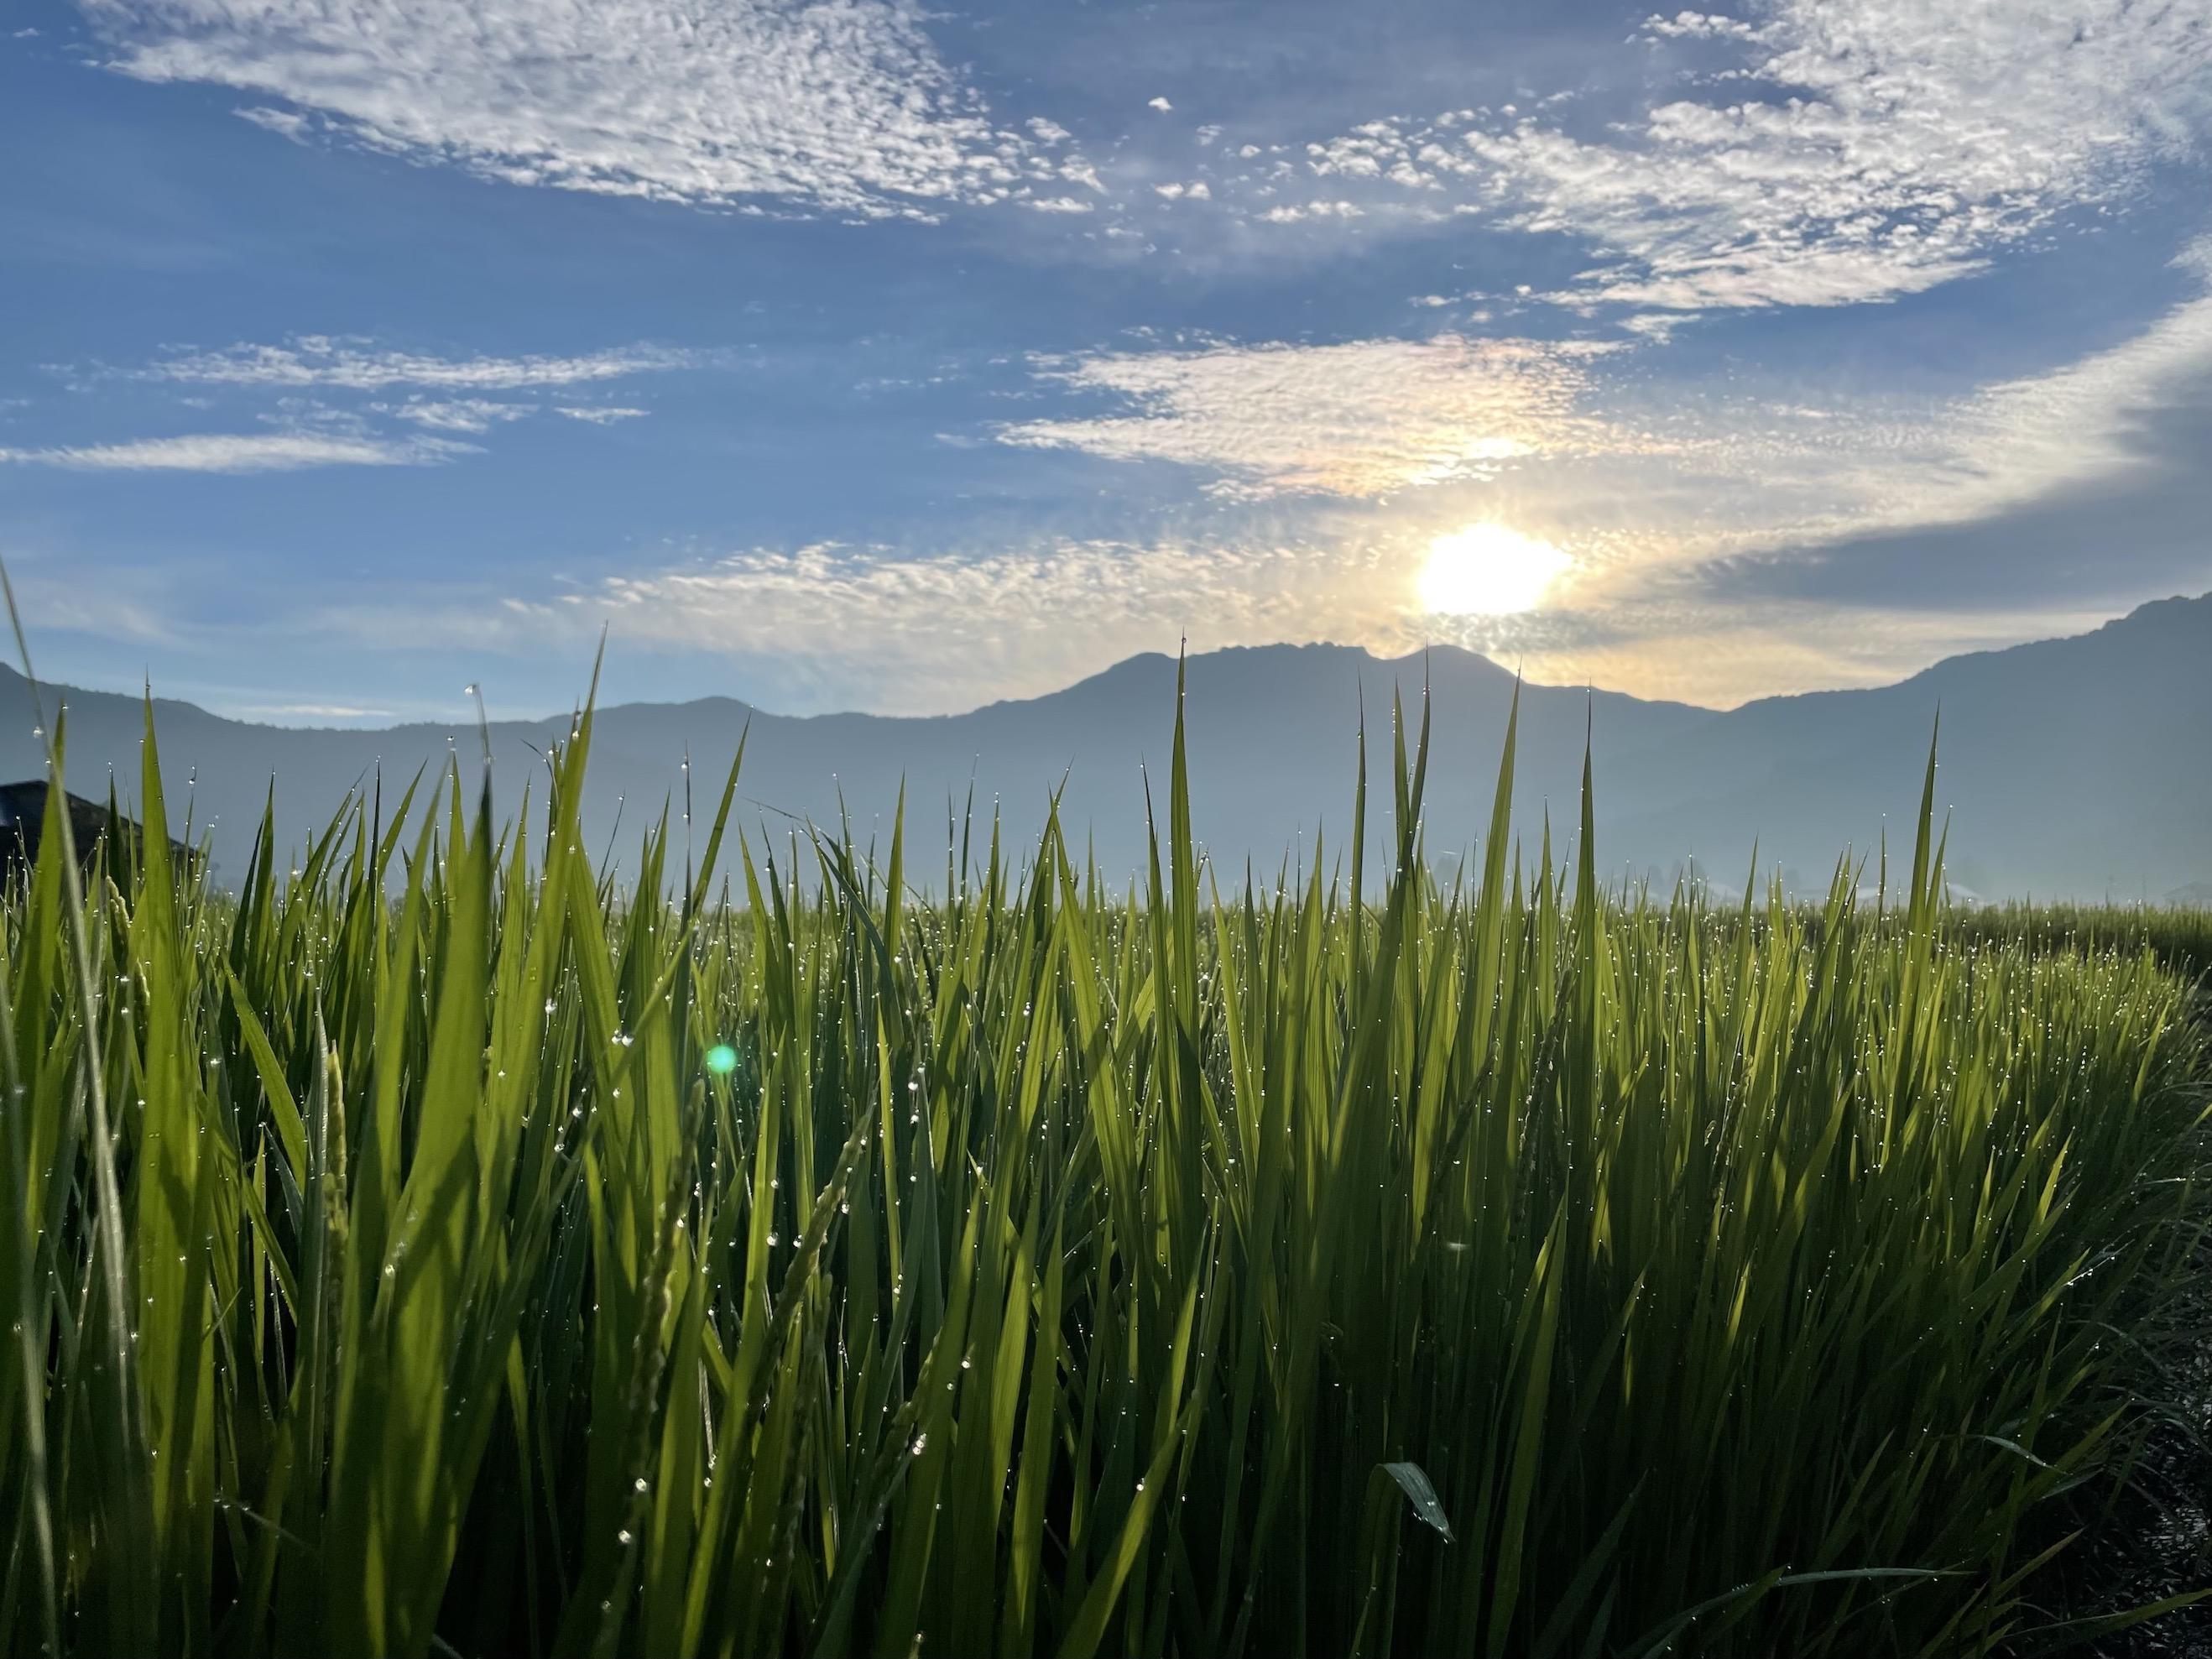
[2180, 936]
[433, 1249]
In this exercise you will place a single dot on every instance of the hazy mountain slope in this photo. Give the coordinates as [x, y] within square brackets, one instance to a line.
[2068, 765]
[2073, 764]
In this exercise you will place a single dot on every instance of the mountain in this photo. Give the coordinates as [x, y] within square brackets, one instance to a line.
[2080, 766]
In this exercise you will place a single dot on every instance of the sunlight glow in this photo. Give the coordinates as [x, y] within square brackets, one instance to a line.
[1489, 571]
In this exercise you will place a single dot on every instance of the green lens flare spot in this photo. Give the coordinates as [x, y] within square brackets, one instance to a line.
[721, 1059]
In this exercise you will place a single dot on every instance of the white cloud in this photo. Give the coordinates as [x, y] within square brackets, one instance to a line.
[838, 104]
[1700, 26]
[269, 452]
[1636, 478]
[1750, 470]
[1296, 212]
[312, 711]
[909, 632]
[1376, 150]
[316, 360]
[1720, 653]
[141, 604]
[457, 414]
[315, 433]
[1159, 103]
[928, 632]
[1362, 418]
[1640, 485]
[2076, 425]
[284, 123]
[1855, 150]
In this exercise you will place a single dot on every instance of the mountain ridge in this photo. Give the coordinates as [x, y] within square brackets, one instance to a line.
[2080, 764]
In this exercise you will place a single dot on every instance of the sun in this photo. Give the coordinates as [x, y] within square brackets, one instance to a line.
[1489, 571]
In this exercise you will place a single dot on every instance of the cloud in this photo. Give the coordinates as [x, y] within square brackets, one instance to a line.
[2085, 421]
[284, 123]
[139, 603]
[1719, 652]
[1700, 26]
[1292, 213]
[314, 432]
[1750, 469]
[237, 452]
[1658, 493]
[317, 360]
[1363, 418]
[308, 711]
[1638, 479]
[935, 631]
[843, 106]
[1841, 151]
[457, 414]
[915, 632]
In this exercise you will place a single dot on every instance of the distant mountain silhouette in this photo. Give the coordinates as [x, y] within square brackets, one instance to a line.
[2079, 766]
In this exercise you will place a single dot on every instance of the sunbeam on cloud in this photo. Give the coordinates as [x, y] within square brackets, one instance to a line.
[1582, 448]
[1489, 571]
[943, 630]
[1508, 494]
[1515, 496]
[1362, 418]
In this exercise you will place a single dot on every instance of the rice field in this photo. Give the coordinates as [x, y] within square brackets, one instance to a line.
[437, 1249]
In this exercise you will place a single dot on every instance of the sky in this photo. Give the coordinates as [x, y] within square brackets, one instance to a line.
[856, 354]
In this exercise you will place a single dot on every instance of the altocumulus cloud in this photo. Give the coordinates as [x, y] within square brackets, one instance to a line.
[1317, 538]
[354, 365]
[1362, 418]
[836, 105]
[456, 414]
[442, 394]
[933, 631]
[253, 451]
[901, 632]
[1762, 472]
[1628, 474]
[1648, 491]
[1832, 152]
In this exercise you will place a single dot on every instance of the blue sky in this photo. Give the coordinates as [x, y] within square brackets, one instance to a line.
[860, 355]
